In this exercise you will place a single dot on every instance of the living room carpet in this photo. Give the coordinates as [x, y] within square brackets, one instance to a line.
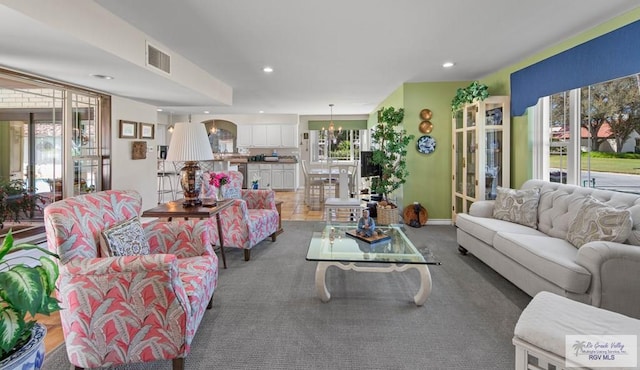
[266, 314]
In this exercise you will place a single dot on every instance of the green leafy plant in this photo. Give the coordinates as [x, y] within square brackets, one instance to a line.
[17, 200]
[25, 290]
[390, 151]
[474, 92]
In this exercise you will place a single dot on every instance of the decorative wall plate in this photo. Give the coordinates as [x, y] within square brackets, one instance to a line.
[426, 114]
[425, 127]
[426, 144]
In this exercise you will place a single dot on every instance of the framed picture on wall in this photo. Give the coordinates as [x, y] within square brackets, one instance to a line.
[139, 150]
[128, 130]
[147, 130]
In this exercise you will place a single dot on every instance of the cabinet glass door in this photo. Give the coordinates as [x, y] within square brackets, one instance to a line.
[472, 113]
[457, 117]
[471, 163]
[493, 116]
[493, 161]
[460, 152]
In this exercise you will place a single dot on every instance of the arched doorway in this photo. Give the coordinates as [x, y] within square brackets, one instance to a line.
[222, 135]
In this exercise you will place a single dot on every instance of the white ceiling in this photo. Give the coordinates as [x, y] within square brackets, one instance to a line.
[352, 53]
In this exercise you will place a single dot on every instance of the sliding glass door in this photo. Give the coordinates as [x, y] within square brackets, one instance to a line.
[51, 137]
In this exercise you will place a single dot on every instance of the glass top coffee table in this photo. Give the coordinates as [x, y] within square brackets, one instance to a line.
[393, 252]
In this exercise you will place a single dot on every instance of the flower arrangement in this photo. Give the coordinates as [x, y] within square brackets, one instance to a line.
[218, 179]
[255, 181]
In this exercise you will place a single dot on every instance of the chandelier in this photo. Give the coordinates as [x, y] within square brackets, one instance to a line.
[332, 134]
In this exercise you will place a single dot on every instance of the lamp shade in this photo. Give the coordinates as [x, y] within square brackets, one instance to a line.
[189, 142]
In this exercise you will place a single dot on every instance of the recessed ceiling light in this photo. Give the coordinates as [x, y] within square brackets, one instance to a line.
[206, 112]
[159, 110]
[267, 69]
[261, 111]
[103, 77]
[448, 64]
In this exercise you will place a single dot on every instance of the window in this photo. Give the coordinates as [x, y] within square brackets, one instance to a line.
[590, 136]
[341, 145]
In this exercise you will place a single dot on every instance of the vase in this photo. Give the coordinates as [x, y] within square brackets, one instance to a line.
[220, 196]
[31, 355]
[254, 186]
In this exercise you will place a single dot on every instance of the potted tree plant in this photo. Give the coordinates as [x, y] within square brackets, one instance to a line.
[390, 151]
[25, 290]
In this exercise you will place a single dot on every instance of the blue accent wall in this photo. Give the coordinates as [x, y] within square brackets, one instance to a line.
[612, 55]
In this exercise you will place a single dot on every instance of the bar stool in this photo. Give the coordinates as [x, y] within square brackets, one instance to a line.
[164, 178]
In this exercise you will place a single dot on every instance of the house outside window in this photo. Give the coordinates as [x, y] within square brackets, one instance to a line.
[590, 136]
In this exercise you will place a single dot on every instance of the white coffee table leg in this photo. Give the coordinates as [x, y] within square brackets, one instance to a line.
[321, 283]
[419, 298]
[425, 284]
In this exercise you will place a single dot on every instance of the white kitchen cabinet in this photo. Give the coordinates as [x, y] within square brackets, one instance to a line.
[277, 176]
[274, 136]
[289, 136]
[259, 136]
[289, 177]
[267, 136]
[243, 136]
[266, 180]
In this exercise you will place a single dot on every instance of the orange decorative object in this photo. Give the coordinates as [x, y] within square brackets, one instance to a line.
[410, 214]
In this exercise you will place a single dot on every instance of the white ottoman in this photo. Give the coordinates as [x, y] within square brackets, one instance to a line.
[539, 335]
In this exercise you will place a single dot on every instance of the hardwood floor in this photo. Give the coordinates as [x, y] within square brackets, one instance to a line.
[293, 209]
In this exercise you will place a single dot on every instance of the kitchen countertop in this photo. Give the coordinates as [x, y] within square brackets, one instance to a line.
[235, 158]
[280, 160]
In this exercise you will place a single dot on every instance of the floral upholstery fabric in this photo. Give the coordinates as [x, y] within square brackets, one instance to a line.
[250, 219]
[128, 309]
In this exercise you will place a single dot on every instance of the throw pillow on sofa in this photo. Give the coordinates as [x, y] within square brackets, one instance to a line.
[597, 221]
[124, 239]
[519, 206]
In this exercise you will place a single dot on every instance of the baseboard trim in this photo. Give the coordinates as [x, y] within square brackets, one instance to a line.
[440, 221]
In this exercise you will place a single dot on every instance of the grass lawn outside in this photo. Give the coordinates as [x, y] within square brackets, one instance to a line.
[614, 165]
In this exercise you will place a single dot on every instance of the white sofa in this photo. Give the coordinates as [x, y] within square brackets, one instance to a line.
[604, 274]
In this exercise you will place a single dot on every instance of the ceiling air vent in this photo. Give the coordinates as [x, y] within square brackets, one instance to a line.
[158, 59]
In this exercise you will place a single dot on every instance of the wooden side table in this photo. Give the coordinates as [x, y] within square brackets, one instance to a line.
[175, 209]
[279, 208]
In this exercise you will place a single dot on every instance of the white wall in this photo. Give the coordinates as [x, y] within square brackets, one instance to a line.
[126, 173]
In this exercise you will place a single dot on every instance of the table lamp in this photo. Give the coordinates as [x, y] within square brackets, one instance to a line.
[190, 144]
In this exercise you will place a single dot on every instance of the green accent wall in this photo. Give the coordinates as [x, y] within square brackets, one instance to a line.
[429, 181]
[430, 175]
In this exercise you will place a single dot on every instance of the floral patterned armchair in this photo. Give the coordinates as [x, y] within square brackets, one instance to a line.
[128, 309]
[252, 218]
